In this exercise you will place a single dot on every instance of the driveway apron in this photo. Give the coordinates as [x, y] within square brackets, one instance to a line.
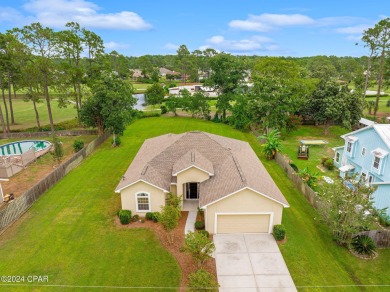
[250, 262]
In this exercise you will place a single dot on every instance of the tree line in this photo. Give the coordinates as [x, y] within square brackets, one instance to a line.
[273, 92]
[37, 61]
[281, 92]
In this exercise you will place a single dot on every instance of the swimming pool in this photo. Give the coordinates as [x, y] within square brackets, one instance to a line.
[18, 148]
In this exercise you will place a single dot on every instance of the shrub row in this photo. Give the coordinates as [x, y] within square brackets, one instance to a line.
[154, 216]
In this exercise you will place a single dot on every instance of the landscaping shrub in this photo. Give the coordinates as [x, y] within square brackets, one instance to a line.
[199, 225]
[141, 114]
[279, 232]
[202, 280]
[329, 164]
[149, 216]
[388, 103]
[124, 216]
[204, 232]
[78, 145]
[323, 159]
[58, 149]
[199, 247]
[308, 177]
[164, 109]
[135, 218]
[384, 220]
[155, 216]
[363, 244]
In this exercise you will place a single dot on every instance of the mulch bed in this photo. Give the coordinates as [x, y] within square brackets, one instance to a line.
[185, 261]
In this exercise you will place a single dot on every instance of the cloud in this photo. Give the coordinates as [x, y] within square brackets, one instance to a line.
[255, 43]
[266, 22]
[116, 46]
[358, 29]
[354, 38]
[339, 20]
[13, 16]
[170, 46]
[56, 13]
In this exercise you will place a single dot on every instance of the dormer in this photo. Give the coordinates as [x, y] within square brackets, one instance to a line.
[379, 160]
[193, 159]
[350, 145]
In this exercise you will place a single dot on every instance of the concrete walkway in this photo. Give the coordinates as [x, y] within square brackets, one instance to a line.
[250, 262]
[190, 223]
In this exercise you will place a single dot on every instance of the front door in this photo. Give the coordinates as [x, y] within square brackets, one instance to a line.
[192, 191]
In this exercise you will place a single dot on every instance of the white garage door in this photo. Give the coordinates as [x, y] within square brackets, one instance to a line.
[243, 223]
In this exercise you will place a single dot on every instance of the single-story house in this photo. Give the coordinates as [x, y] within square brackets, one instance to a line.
[223, 176]
[207, 91]
[164, 72]
[137, 73]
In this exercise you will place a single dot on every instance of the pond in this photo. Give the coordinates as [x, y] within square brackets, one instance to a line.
[140, 100]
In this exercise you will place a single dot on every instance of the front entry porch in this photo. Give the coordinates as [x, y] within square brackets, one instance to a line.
[190, 205]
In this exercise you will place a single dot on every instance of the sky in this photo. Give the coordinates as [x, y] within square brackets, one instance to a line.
[294, 28]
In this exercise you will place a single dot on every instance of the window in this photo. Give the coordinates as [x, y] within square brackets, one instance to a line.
[364, 176]
[370, 179]
[363, 151]
[377, 162]
[337, 158]
[349, 147]
[143, 202]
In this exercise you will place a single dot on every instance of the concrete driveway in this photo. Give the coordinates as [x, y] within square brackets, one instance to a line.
[250, 262]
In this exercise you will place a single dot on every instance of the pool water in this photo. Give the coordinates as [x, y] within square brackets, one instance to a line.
[17, 148]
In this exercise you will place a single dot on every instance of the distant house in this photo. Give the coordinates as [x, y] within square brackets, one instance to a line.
[366, 154]
[208, 91]
[164, 72]
[223, 176]
[137, 73]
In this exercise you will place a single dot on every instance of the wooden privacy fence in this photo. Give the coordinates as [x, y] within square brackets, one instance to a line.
[307, 191]
[14, 209]
[48, 134]
[380, 237]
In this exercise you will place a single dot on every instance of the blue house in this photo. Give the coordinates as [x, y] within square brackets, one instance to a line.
[366, 154]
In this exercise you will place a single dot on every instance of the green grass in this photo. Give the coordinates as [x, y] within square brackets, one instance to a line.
[140, 87]
[382, 108]
[292, 141]
[25, 115]
[69, 233]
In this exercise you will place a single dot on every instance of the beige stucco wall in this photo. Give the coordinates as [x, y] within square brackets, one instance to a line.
[173, 189]
[190, 175]
[242, 202]
[157, 197]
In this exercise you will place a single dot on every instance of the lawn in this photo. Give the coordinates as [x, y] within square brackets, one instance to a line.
[69, 233]
[291, 141]
[25, 115]
[383, 109]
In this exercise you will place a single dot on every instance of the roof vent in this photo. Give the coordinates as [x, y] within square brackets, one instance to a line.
[192, 156]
